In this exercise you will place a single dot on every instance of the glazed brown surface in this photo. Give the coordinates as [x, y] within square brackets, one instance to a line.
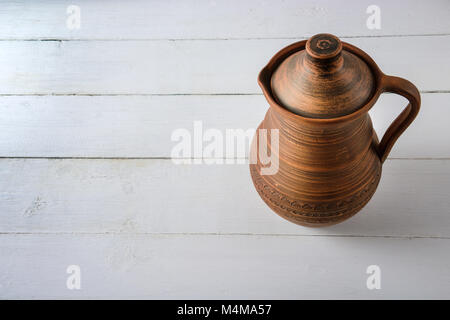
[330, 159]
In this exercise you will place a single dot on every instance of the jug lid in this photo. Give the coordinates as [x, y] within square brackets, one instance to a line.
[323, 80]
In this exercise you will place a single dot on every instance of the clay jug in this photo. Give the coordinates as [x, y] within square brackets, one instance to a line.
[329, 156]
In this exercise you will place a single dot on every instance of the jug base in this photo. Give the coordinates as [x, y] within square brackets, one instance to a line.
[310, 214]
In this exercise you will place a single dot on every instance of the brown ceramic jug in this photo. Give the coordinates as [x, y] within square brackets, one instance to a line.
[329, 157]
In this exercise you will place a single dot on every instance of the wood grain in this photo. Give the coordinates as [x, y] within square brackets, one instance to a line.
[222, 267]
[156, 196]
[190, 67]
[139, 126]
[141, 19]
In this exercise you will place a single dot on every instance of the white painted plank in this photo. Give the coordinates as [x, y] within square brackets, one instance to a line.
[222, 267]
[141, 126]
[219, 19]
[157, 196]
[190, 67]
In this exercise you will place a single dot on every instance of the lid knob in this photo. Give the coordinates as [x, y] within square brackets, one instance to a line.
[323, 46]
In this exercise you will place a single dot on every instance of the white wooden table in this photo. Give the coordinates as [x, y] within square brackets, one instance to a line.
[86, 177]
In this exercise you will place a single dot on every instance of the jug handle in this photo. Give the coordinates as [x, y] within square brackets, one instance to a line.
[409, 91]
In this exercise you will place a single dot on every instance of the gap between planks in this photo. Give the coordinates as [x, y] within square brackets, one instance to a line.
[226, 234]
[168, 158]
[301, 37]
[158, 94]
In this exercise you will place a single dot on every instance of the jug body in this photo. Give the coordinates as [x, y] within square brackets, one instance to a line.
[326, 172]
